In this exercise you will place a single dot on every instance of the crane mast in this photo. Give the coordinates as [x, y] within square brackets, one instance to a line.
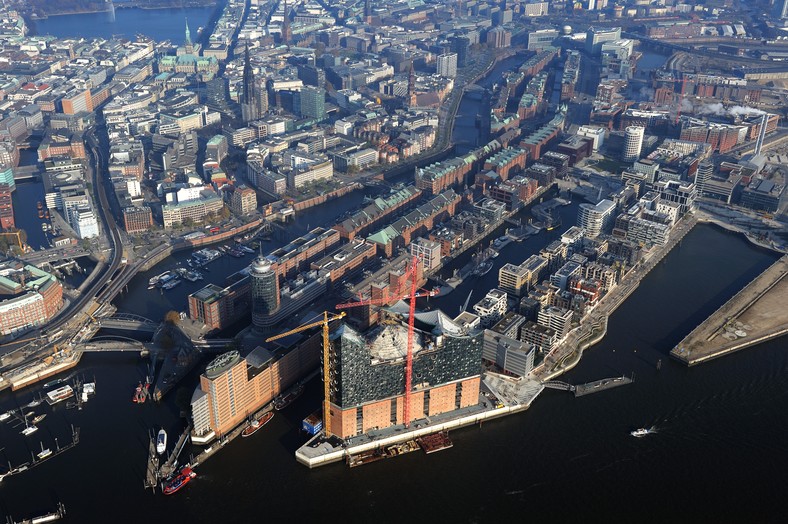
[412, 294]
[327, 318]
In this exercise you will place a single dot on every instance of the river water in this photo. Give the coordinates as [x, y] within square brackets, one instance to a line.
[718, 453]
[719, 442]
[159, 24]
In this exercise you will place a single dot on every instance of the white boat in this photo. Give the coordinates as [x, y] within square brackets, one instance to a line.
[44, 453]
[161, 442]
[5, 416]
[59, 394]
[35, 402]
[29, 430]
[641, 432]
[89, 388]
[171, 283]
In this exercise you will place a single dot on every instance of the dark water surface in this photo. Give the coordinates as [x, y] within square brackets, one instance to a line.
[718, 453]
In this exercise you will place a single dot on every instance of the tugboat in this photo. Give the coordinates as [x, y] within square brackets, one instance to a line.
[183, 478]
[252, 428]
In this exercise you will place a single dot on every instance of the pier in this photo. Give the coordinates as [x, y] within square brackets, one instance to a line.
[601, 385]
[152, 469]
[589, 387]
[49, 517]
[755, 314]
[36, 460]
[156, 471]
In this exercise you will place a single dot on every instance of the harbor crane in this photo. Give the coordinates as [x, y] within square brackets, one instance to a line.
[410, 274]
[327, 318]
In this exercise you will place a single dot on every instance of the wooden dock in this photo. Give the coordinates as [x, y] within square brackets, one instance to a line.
[152, 470]
[21, 468]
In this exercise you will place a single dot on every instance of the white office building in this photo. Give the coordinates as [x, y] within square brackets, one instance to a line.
[447, 65]
[84, 223]
[596, 134]
[596, 37]
[428, 251]
[633, 143]
[596, 219]
[491, 308]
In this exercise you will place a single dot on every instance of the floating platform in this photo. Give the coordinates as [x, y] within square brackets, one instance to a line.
[755, 314]
[435, 442]
[377, 454]
[600, 385]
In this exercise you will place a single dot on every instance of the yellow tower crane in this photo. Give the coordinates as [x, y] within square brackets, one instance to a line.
[327, 318]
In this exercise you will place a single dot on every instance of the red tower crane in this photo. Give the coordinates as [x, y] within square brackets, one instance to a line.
[411, 273]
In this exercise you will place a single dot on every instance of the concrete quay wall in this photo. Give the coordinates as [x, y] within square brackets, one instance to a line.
[594, 327]
[338, 455]
[316, 201]
[754, 315]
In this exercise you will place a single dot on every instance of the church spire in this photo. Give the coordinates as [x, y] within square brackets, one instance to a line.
[188, 34]
[286, 35]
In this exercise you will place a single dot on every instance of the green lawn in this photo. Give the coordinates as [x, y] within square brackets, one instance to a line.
[609, 165]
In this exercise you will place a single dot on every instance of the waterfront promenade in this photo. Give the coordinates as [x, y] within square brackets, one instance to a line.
[593, 327]
[755, 314]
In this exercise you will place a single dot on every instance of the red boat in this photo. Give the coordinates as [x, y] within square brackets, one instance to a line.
[257, 424]
[137, 393]
[183, 478]
[145, 392]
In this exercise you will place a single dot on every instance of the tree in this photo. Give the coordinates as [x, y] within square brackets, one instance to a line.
[225, 212]
[188, 222]
[172, 317]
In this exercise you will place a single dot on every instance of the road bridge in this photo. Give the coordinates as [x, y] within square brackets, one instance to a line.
[112, 345]
[128, 322]
[54, 254]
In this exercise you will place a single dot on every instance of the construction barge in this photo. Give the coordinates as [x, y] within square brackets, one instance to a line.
[429, 443]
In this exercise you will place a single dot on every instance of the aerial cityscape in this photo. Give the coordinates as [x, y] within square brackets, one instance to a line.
[531, 251]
